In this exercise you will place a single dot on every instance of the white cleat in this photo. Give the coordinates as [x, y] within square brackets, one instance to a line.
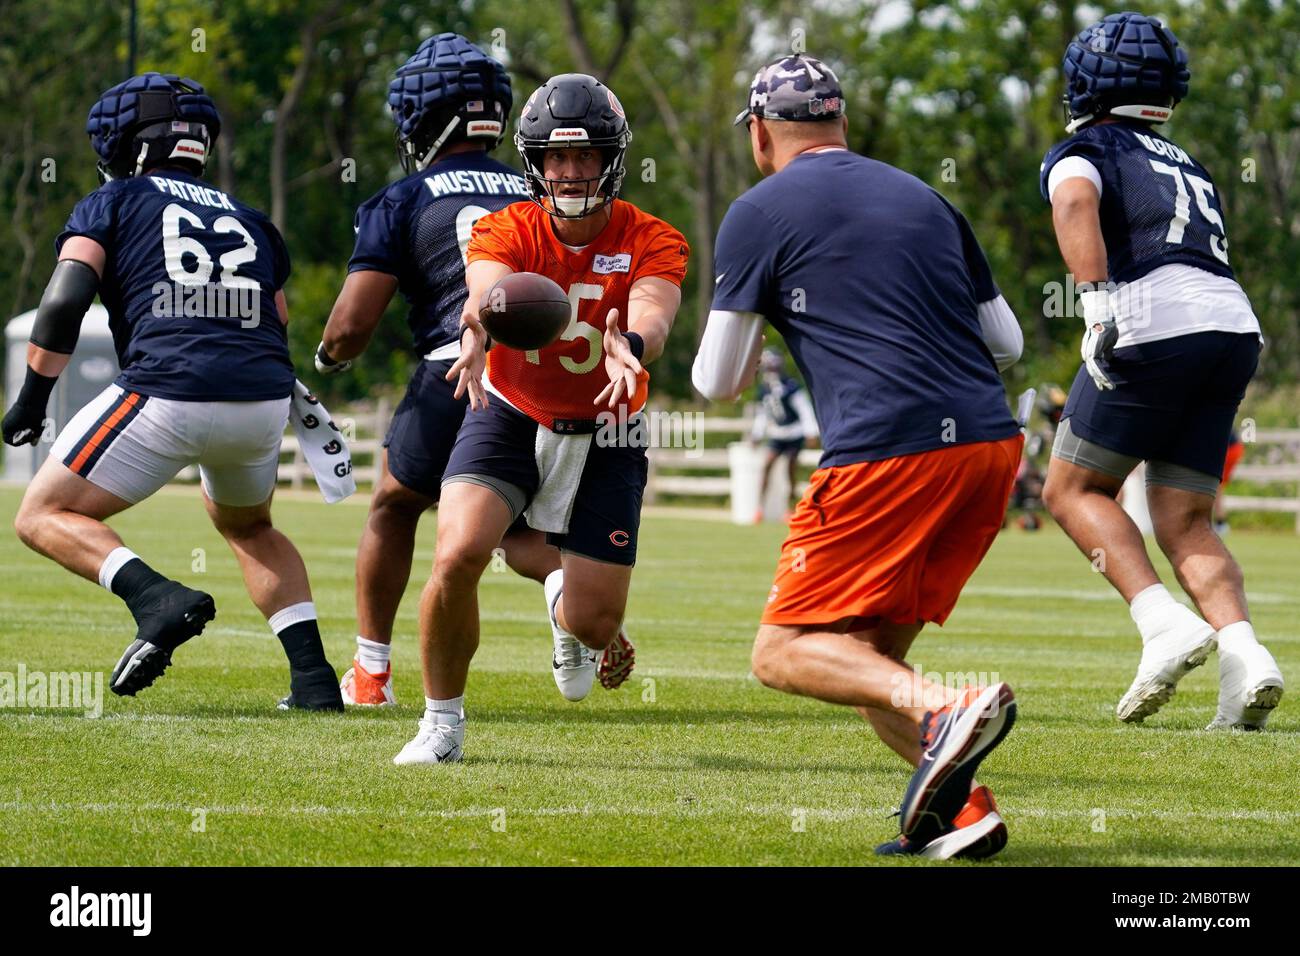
[1250, 687]
[1166, 659]
[435, 743]
[573, 664]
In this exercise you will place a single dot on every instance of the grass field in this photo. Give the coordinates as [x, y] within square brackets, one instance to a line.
[690, 762]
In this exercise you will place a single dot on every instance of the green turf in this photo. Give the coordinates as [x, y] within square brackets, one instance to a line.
[691, 762]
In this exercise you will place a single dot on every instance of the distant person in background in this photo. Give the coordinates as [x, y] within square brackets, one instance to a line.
[1236, 448]
[785, 419]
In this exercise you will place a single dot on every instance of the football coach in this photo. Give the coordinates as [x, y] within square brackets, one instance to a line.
[887, 304]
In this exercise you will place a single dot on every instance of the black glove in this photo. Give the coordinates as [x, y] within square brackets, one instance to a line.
[25, 420]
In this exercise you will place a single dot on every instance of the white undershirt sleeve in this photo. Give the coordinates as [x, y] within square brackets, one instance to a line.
[728, 357]
[1001, 332]
[1069, 168]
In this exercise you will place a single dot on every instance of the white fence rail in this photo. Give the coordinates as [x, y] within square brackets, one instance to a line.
[703, 472]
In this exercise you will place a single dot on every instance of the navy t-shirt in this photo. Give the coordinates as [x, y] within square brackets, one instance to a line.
[189, 284]
[417, 229]
[1158, 204]
[873, 279]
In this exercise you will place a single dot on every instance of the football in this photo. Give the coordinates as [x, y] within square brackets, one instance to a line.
[524, 310]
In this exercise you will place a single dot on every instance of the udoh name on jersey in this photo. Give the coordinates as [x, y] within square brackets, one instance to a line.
[475, 181]
[1164, 148]
[203, 195]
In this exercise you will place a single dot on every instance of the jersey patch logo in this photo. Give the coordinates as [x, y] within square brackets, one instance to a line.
[619, 539]
[604, 265]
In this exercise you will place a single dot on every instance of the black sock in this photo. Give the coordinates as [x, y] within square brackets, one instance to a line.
[302, 645]
[131, 583]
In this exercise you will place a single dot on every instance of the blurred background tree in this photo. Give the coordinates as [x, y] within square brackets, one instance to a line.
[964, 95]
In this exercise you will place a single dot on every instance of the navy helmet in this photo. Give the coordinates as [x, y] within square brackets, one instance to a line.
[1125, 65]
[448, 91]
[573, 110]
[151, 119]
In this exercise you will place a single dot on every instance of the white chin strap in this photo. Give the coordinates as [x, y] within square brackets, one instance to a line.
[1150, 114]
[573, 205]
[437, 144]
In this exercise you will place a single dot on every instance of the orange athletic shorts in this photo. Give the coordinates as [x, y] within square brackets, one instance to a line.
[1230, 462]
[893, 540]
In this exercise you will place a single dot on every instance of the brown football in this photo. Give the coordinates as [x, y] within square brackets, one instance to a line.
[524, 310]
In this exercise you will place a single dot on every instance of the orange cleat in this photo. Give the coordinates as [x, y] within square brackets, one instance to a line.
[616, 662]
[364, 689]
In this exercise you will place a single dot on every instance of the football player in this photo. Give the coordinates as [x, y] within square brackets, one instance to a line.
[530, 441]
[888, 306]
[193, 282]
[785, 418]
[450, 102]
[1170, 344]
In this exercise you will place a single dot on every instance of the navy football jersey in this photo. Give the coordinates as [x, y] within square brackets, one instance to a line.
[778, 402]
[873, 279]
[417, 229]
[1158, 204]
[189, 284]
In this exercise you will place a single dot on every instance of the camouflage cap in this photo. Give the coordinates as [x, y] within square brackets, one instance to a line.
[795, 87]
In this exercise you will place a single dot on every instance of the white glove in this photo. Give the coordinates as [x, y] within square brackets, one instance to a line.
[1100, 335]
[326, 365]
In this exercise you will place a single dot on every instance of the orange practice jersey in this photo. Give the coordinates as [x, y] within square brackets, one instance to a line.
[563, 379]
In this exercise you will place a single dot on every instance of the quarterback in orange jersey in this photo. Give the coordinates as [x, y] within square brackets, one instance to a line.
[536, 441]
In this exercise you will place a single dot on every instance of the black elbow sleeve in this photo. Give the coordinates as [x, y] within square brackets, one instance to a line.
[70, 293]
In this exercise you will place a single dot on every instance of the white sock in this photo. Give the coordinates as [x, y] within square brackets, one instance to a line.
[440, 710]
[553, 588]
[112, 564]
[372, 655]
[1155, 611]
[1235, 637]
[291, 615]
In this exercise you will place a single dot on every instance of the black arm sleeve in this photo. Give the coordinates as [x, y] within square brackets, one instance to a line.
[70, 293]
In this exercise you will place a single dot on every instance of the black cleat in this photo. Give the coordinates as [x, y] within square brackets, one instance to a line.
[314, 689]
[175, 615]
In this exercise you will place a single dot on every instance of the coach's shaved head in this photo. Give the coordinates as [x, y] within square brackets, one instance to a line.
[775, 142]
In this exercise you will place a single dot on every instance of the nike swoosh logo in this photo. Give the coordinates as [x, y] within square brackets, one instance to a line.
[719, 278]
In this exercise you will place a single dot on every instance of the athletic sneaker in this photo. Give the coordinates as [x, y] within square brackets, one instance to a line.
[169, 619]
[364, 689]
[954, 740]
[1250, 687]
[573, 664]
[437, 742]
[314, 689]
[1166, 659]
[977, 833]
[616, 662]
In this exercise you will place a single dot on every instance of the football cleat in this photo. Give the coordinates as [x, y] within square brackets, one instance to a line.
[1250, 687]
[1166, 659]
[616, 662]
[573, 664]
[977, 833]
[314, 689]
[435, 743]
[175, 615]
[954, 740]
[364, 689]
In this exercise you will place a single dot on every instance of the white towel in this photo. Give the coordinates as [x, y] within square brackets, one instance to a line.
[1025, 407]
[323, 445]
[560, 460]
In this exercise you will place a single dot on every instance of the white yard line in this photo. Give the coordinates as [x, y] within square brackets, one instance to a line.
[683, 810]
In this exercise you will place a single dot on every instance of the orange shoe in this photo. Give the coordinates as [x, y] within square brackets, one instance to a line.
[364, 689]
[978, 832]
[616, 662]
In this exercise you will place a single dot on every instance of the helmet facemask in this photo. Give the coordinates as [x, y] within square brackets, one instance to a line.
[599, 191]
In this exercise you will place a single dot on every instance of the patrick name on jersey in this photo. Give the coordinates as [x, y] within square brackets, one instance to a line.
[478, 181]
